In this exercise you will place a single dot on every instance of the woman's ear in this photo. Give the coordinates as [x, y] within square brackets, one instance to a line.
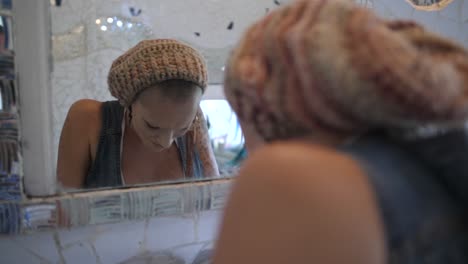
[196, 120]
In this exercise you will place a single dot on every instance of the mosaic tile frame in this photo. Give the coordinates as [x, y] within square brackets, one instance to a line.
[111, 206]
[10, 146]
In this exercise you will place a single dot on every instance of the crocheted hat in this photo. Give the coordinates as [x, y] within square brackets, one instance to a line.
[151, 62]
[334, 65]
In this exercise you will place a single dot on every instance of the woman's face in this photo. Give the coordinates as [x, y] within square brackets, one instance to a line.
[158, 119]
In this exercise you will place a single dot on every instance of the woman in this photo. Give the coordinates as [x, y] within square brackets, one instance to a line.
[336, 106]
[156, 130]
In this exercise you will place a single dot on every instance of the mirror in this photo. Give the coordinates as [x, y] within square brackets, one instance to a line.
[226, 136]
[87, 36]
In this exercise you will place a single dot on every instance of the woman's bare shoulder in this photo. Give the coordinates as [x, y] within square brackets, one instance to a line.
[302, 158]
[85, 109]
[303, 169]
[85, 116]
[78, 141]
[317, 198]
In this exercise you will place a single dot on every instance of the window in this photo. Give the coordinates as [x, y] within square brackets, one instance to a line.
[225, 134]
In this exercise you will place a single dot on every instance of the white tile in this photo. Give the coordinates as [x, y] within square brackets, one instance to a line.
[465, 11]
[452, 30]
[187, 253]
[208, 225]
[430, 20]
[204, 257]
[398, 9]
[39, 244]
[63, 17]
[465, 41]
[79, 253]
[168, 232]
[119, 241]
[11, 252]
[381, 9]
[158, 257]
[453, 11]
[77, 235]
[209, 245]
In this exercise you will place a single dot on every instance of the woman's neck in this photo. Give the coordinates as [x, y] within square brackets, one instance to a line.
[129, 134]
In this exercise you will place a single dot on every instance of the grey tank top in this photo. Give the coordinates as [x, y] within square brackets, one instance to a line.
[424, 221]
[105, 170]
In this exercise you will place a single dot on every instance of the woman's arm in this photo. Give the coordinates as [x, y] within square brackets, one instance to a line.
[299, 203]
[74, 153]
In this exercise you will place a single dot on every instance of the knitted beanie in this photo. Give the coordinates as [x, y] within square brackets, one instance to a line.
[333, 65]
[151, 62]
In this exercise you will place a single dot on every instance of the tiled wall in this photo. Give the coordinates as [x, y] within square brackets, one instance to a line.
[451, 21]
[166, 239]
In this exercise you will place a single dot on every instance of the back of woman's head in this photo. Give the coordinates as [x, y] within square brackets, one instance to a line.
[333, 66]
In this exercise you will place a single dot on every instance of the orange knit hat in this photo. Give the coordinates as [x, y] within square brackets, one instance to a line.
[151, 62]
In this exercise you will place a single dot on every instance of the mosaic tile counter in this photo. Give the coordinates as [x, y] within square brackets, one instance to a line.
[170, 223]
[160, 240]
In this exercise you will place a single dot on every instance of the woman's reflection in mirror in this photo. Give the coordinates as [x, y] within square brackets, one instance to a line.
[156, 130]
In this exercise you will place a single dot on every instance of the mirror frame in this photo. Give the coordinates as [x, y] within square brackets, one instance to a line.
[33, 67]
